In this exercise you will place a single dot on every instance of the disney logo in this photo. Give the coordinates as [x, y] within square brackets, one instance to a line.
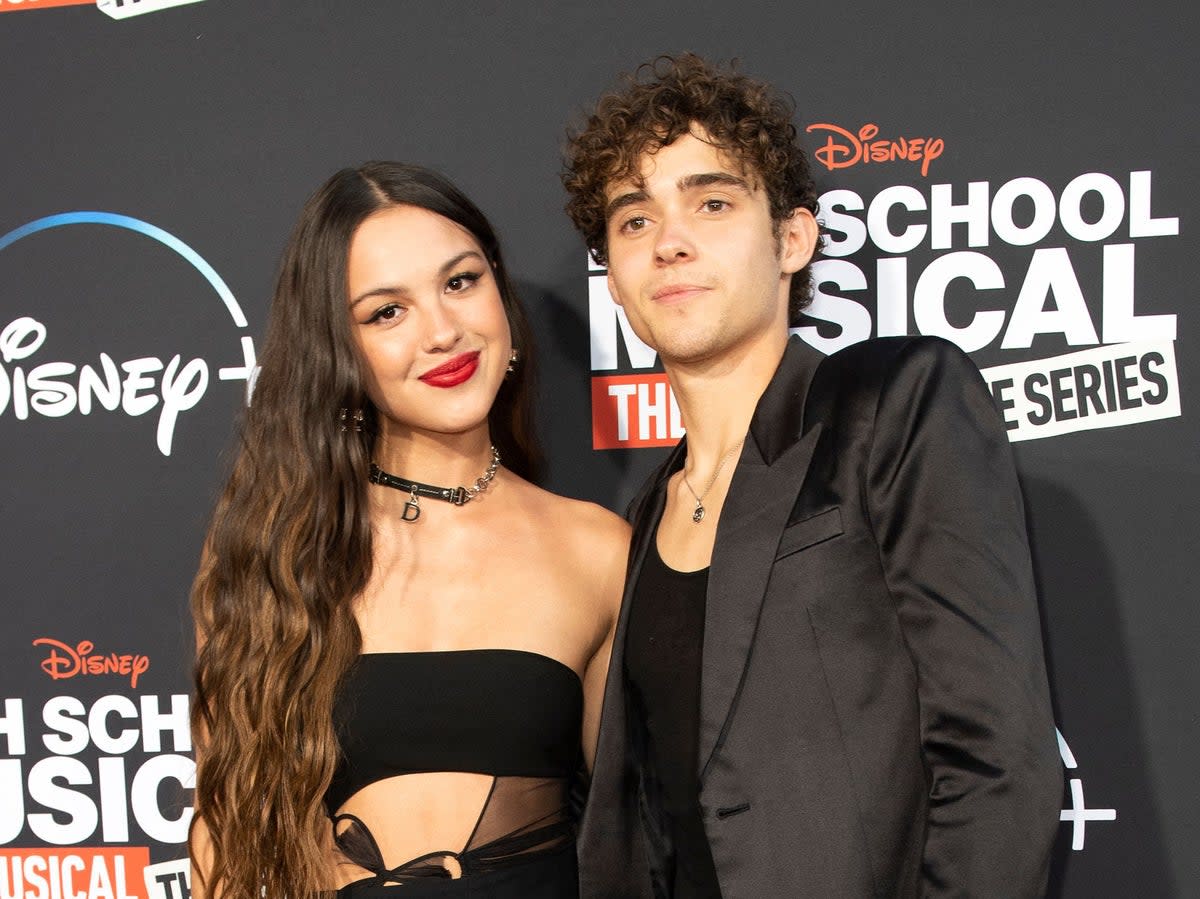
[843, 148]
[65, 661]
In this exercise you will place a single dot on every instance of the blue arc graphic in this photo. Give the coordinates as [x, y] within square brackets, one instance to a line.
[152, 231]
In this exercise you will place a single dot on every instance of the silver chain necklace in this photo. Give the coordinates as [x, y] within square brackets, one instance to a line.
[698, 512]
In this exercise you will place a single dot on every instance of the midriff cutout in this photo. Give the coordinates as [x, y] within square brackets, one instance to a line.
[424, 825]
[414, 814]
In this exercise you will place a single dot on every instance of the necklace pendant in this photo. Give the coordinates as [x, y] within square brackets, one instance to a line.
[412, 509]
[698, 514]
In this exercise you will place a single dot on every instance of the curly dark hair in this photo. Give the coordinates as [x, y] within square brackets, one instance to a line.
[663, 100]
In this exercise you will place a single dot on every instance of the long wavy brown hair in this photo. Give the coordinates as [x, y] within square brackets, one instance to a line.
[289, 546]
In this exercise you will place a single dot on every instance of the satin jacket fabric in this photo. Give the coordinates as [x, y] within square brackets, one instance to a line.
[875, 719]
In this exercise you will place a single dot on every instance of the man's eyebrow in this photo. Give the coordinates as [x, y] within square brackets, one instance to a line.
[708, 179]
[396, 291]
[686, 183]
[616, 204]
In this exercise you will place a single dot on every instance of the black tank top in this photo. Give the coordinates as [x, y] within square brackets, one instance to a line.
[511, 714]
[663, 656]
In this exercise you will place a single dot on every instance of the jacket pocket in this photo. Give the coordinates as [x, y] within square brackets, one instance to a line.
[810, 531]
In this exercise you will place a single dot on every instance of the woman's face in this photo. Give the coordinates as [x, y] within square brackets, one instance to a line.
[426, 314]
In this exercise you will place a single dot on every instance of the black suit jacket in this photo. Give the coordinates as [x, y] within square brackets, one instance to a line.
[874, 718]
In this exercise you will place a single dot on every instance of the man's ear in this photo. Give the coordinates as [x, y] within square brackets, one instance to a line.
[612, 290]
[798, 237]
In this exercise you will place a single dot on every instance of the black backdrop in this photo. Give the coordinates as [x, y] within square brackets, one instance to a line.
[184, 141]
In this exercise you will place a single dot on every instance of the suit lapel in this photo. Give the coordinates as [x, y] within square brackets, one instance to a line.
[762, 492]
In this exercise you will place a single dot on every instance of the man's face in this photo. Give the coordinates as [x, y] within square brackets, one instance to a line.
[693, 258]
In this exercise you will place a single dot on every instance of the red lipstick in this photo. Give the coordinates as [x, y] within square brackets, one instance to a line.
[454, 372]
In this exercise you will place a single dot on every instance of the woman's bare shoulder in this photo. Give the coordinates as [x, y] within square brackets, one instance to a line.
[586, 520]
[587, 544]
[590, 534]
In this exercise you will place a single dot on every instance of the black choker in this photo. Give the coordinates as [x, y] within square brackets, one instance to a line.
[459, 496]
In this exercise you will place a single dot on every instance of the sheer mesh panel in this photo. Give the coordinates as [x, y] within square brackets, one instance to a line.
[521, 817]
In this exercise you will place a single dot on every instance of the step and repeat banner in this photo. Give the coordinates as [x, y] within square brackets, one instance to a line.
[1020, 181]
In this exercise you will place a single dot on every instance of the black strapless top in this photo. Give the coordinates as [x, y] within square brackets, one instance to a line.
[509, 713]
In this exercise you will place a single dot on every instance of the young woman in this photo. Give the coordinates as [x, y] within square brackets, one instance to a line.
[402, 641]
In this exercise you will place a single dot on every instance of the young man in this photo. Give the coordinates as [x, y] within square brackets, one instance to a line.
[828, 677]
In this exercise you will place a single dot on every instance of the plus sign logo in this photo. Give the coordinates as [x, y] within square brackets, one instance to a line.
[1078, 814]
